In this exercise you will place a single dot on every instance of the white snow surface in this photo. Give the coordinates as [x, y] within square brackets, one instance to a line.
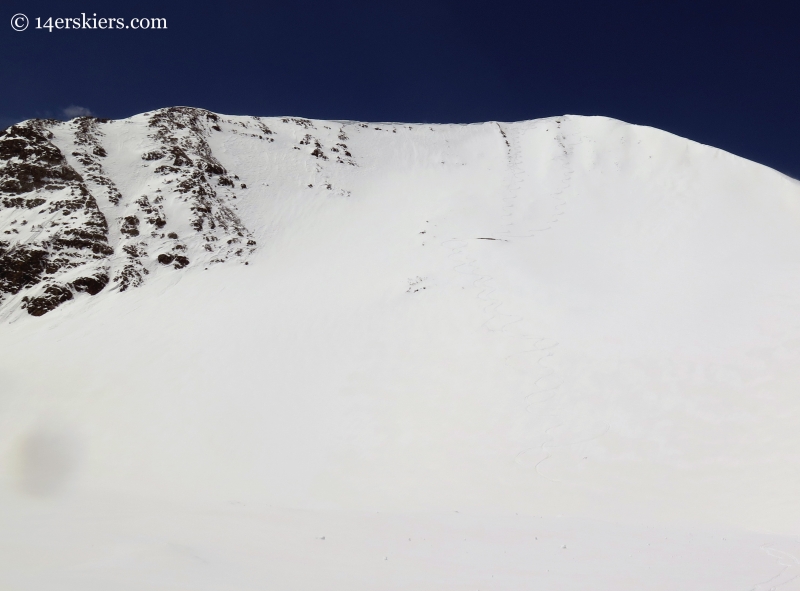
[558, 354]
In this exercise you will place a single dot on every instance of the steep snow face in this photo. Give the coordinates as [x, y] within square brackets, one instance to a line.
[541, 325]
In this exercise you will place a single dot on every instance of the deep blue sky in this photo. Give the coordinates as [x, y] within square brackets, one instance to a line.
[722, 73]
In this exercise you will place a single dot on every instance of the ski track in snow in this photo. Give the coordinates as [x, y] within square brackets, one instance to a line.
[788, 579]
[543, 400]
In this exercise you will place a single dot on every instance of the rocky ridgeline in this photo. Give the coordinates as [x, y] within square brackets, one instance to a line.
[92, 204]
[66, 227]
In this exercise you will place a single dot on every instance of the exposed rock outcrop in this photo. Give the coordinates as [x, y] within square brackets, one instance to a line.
[67, 226]
[54, 239]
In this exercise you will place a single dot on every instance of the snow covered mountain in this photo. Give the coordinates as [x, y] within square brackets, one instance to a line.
[247, 353]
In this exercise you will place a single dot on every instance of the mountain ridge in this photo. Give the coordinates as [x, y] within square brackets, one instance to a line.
[104, 240]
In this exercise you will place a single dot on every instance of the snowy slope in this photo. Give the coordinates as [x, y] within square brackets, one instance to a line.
[448, 350]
